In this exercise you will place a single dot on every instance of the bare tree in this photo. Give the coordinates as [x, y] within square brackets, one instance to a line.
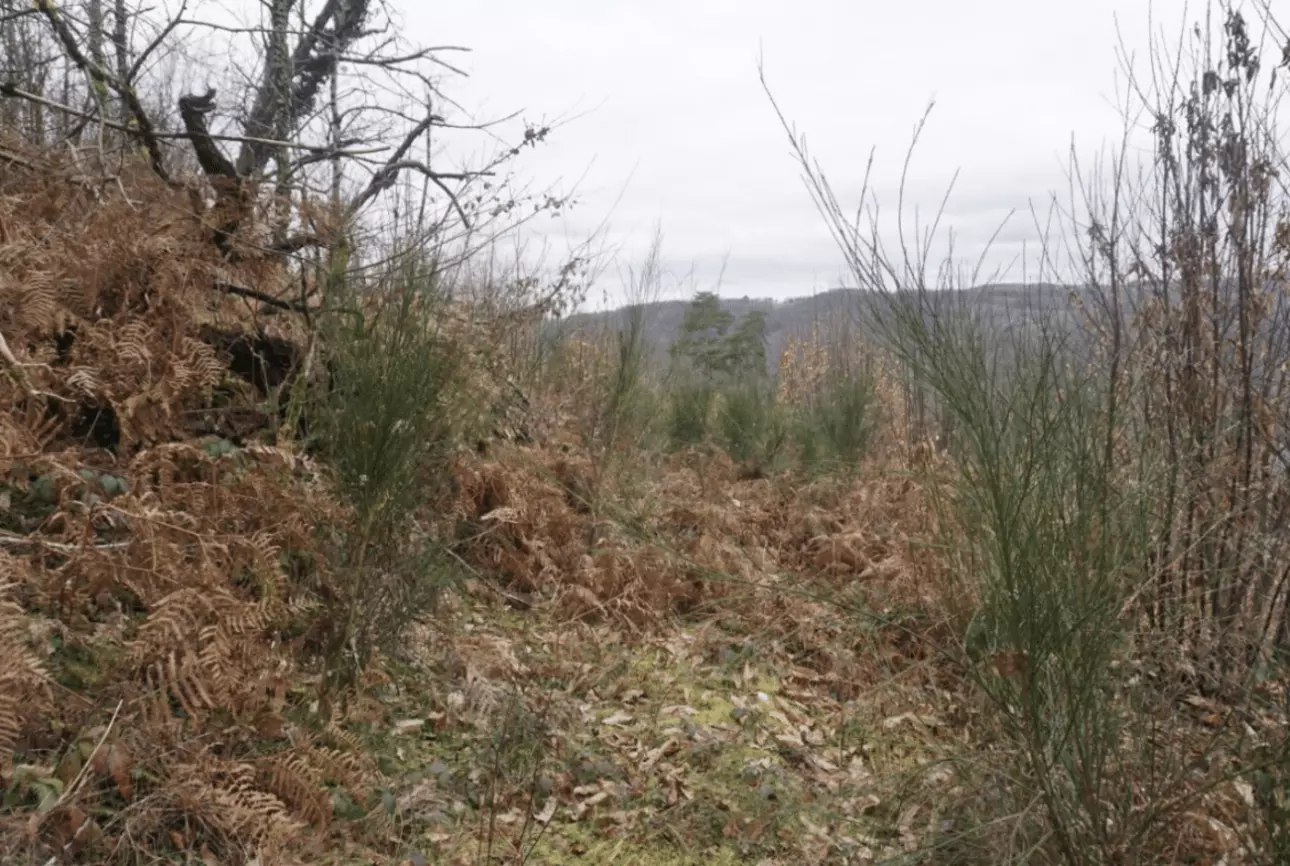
[336, 110]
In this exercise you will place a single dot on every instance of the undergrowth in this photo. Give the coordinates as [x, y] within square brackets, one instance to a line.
[382, 575]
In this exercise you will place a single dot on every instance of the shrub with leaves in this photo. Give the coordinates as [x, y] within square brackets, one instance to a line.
[751, 427]
[386, 422]
[838, 424]
[1107, 578]
[829, 384]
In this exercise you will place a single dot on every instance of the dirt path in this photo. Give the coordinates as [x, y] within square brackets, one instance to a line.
[565, 743]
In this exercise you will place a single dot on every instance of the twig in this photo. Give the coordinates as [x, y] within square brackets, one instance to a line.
[263, 297]
[513, 601]
[12, 539]
[146, 131]
[385, 176]
[154, 44]
[8, 89]
[18, 373]
[15, 158]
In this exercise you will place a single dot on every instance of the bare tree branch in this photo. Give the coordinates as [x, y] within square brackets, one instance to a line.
[339, 22]
[385, 177]
[147, 132]
[299, 65]
[317, 151]
[193, 111]
[262, 297]
[154, 45]
[296, 243]
[14, 16]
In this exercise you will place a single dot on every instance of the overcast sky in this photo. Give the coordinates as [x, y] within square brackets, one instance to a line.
[670, 123]
[667, 122]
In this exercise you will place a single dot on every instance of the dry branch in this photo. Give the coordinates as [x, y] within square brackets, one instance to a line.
[146, 129]
[253, 294]
[193, 111]
[12, 540]
[317, 152]
[335, 27]
[385, 177]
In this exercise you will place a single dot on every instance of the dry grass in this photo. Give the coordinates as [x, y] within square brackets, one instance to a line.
[667, 662]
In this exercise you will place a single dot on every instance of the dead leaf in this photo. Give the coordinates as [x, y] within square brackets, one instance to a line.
[653, 756]
[548, 811]
[906, 820]
[868, 803]
[76, 830]
[270, 725]
[813, 828]
[407, 726]
[113, 760]
[822, 763]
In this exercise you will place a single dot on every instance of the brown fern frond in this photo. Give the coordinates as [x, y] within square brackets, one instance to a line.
[36, 305]
[178, 572]
[10, 728]
[24, 679]
[224, 799]
[176, 619]
[132, 341]
[252, 618]
[343, 737]
[291, 778]
[204, 364]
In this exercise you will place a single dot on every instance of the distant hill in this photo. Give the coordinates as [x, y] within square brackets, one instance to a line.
[1002, 305]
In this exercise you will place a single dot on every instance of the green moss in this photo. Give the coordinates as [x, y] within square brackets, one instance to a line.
[580, 843]
[82, 666]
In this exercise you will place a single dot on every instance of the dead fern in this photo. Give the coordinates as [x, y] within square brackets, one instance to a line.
[153, 544]
[24, 680]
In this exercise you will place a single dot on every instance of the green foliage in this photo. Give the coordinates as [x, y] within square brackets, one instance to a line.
[719, 365]
[745, 350]
[385, 424]
[386, 419]
[628, 406]
[702, 341]
[1053, 542]
[836, 427]
[709, 348]
[750, 425]
[688, 413]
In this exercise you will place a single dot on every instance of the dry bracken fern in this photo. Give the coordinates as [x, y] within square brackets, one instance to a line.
[23, 679]
[160, 559]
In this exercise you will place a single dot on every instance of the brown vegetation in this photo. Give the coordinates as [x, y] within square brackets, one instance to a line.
[148, 571]
[897, 603]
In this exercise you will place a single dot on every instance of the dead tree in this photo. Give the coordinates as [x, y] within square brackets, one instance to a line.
[299, 63]
[302, 133]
